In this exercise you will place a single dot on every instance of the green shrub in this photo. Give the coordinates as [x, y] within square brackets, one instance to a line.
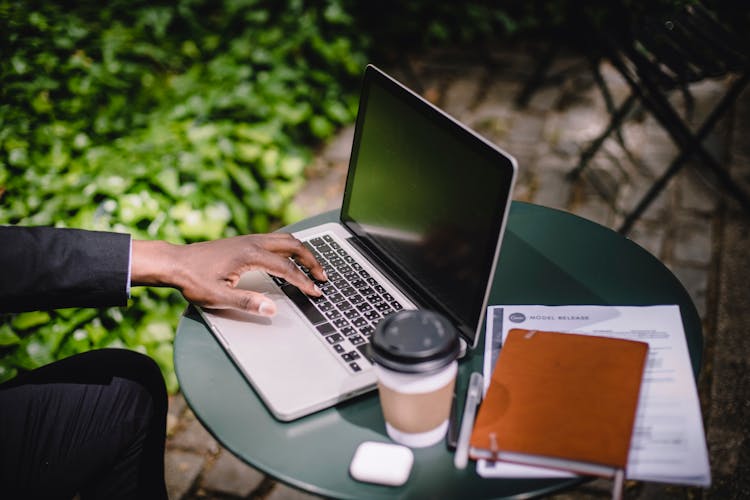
[181, 121]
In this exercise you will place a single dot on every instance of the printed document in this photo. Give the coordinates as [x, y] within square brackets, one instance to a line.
[669, 442]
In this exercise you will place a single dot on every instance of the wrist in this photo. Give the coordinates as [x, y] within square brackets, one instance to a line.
[154, 263]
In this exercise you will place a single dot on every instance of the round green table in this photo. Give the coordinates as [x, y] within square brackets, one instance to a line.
[548, 257]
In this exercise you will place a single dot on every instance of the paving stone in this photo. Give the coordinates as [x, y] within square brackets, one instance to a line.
[181, 469]
[580, 125]
[323, 191]
[706, 94]
[491, 121]
[693, 240]
[594, 209]
[618, 87]
[176, 406]
[192, 436]
[230, 475]
[281, 491]
[526, 132]
[544, 99]
[461, 95]
[500, 92]
[695, 281]
[632, 192]
[606, 182]
[340, 148]
[695, 193]
[657, 146]
[729, 415]
[590, 490]
[659, 491]
[734, 300]
[552, 189]
[649, 236]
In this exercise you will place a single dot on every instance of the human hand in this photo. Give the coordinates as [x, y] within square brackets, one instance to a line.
[207, 273]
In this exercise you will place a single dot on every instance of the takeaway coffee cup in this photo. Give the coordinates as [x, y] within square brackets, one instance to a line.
[415, 353]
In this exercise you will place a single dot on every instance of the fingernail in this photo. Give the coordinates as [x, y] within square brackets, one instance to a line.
[317, 289]
[267, 308]
[325, 275]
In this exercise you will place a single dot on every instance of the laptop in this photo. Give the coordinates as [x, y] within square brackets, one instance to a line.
[421, 222]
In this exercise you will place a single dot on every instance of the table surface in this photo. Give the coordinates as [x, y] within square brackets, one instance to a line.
[548, 257]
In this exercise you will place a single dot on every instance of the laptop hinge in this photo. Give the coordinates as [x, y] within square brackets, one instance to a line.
[421, 299]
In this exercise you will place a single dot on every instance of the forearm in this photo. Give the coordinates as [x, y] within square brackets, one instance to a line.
[49, 268]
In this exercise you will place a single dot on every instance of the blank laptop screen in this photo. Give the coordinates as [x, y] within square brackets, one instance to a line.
[428, 197]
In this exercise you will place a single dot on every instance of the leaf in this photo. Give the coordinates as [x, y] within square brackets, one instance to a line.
[8, 337]
[155, 331]
[168, 180]
[7, 371]
[291, 166]
[27, 320]
[321, 127]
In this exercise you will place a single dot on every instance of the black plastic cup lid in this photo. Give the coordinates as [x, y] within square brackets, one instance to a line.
[414, 342]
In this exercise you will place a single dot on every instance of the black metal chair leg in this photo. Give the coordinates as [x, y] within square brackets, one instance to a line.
[614, 124]
[692, 147]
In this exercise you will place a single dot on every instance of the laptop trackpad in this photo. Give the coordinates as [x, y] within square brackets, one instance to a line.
[282, 356]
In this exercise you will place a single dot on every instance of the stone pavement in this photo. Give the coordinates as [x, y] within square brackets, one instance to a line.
[693, 227]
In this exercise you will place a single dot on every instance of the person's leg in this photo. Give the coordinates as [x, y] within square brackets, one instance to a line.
[92, 424]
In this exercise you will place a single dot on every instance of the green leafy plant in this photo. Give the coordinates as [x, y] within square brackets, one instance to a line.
[180, 121]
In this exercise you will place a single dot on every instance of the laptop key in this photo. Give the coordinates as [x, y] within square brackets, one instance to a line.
[335, 338]
[351, 313]
[325, 306]
[364, 307]
[326, 328]
[340, 323]
[372, 315]
[303, 303]
[350, 356]
[333, 314]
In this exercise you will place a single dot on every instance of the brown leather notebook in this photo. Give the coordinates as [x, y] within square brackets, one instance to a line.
[561, 400]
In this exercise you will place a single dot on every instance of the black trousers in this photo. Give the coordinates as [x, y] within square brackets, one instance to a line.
[93, 424]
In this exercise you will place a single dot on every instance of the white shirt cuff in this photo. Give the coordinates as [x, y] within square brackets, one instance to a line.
[130, 266]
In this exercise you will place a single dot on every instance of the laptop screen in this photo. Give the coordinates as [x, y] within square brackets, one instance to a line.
[427, 197]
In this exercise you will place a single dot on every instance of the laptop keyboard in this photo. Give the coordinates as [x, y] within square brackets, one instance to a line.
[352, 303]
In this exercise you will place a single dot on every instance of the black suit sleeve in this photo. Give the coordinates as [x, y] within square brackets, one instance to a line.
[47, 268]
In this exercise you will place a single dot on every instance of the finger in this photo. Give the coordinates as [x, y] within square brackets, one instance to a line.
[308, 260]
[288, 270]
[249, 301]
[289, 246]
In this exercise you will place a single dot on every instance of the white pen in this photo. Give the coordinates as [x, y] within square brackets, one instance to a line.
[473, 397]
